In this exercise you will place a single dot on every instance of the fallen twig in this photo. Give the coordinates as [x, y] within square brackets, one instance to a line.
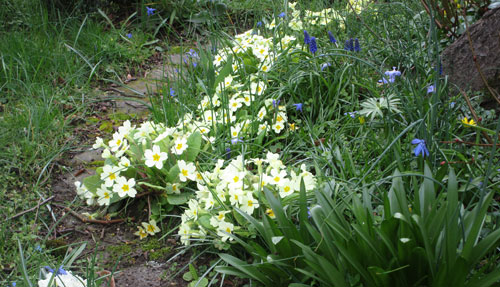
[88, 220]
[33, 208]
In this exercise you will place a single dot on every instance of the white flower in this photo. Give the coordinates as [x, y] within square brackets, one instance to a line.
[104, 195]
[163, 135]
[235, 104]
[236, 196]
[235, 131]
[274, 160]
[286, 188]
[155, 157]
[180, 145]
[247, 98]
[109, 174]
[192, 211]
[262, 113]
[151, 227]
[99, 142]
[106, 153]
[125, 187]
[186, 171]
[224, 230]
[124, 162]
[185, 233]
[257, 88]
[277, 177]
[125, 129]
[81, 189]
[216, 220]
[249, 204]
[116, 142]
[60, 280]
[278, 127]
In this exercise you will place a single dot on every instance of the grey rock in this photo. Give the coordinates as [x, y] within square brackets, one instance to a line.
[458, 61]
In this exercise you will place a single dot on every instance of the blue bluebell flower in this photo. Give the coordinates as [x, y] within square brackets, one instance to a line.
[129, 35]
[357, 47]
[309, 215]
[298, 107]
[325, 65]
[307, 38]
[38, 248]
[331, 37]
[430, 89]
[276, 103]
[259, 24]
[282, 15]
[14, 284]
[172, 92]
[49, 269]
[195, 64]
[421, 148]
[228, 153]
[392, 76]
[61, 271]
[312, 45]
[236, 140]
[351, 114]
[150, 11]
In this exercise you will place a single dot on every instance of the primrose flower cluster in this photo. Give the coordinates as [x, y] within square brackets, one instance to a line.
[148, 156]
[211, 215]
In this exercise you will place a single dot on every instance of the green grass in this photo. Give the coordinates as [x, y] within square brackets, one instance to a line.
[50, 64]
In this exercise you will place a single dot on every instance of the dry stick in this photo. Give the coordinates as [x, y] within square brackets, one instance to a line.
[474, 59]
[33, 208]
[474, 115]
[88, 220]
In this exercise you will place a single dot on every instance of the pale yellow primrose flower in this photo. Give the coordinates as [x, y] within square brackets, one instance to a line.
[151, 227]
[155, 157]
[125, 187]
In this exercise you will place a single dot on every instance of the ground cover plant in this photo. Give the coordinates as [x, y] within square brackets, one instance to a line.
[320, 147]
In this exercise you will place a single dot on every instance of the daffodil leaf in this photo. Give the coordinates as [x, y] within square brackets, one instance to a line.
[194, 144]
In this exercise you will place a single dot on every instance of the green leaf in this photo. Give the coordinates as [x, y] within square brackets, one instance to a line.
[187, 276]
[247, 269]
[178, 199]
[194, 144]
[173, 173]
[92, 183]
[204, 220]
[202, 282]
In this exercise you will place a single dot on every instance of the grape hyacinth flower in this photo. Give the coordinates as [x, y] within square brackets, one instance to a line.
[312, 45]
[357, 47]
[150, 11]
[421, 148]
[129, 35]
[307, 38]
[348, 46]
[298, 107]
[332, 38]
[259, 24]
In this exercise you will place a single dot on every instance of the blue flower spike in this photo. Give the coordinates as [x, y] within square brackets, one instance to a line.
[421, 148]
[332, 38]
[282, 15]
[357, 47]
[312, 45]
[307, 38]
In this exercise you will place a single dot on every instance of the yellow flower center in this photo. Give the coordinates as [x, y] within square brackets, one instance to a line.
[228, 230]
[184, 172]
[277, 179]
[174, 187]
[118, 142]
[287, 189]
[236, 179]
[106, 195]
[279, 119]
[156, 157]
[112, 176]
[235, 134]
[221, 216]
[151, 228]
[278, 127]
[125, 187]
[250, 203]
